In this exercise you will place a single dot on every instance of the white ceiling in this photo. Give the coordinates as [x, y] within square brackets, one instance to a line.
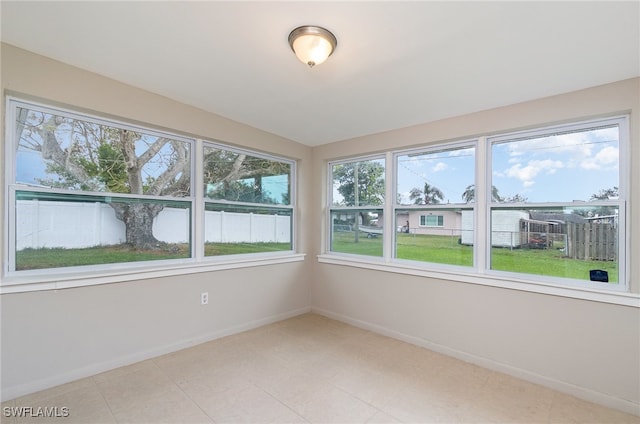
[396, 64]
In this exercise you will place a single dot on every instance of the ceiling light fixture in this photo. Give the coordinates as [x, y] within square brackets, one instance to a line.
[312, 44]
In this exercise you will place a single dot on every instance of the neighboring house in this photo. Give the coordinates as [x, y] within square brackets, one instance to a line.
[441, 223]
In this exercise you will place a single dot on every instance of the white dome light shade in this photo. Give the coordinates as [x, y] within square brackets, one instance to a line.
[312, 44]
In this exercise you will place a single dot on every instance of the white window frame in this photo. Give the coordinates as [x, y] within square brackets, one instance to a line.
[13, 281]
[623, 182]
[473, 206]
[481, 273]
[289, 207]
[331, 207]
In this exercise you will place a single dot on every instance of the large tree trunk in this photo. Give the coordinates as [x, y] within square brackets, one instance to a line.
[138, 220]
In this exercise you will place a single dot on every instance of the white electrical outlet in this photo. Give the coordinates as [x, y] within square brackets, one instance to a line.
[204, 298]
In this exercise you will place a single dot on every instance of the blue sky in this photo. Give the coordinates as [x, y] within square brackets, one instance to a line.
[451, 172]
[558, 168]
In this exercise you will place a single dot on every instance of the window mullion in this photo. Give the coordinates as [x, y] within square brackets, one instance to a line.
[482, 224]
[197, 232]
[389, 214]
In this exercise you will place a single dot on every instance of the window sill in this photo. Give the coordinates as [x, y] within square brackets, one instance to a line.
[74, 278]
[617, 298]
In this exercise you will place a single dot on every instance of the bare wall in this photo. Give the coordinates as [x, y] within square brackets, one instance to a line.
[51, 337]
[587, 348]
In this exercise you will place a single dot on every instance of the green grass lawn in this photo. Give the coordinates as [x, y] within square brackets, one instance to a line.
[446, 250]
[435, 249]
[216, 249]
[59, 257]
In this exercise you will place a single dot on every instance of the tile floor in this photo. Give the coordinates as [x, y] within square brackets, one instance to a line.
[309, 369]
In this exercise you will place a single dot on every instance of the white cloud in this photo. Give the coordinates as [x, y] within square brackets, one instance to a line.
[571, 148]
[603, 159]
[440, 166]
[528, 173]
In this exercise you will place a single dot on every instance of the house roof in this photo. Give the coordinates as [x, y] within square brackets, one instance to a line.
[557, 217]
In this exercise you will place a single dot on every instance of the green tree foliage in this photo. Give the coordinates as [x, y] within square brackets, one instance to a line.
[606, 194]
[237, 177]
[469, 194]
[516, 198]
[369, 189]
[429, 195]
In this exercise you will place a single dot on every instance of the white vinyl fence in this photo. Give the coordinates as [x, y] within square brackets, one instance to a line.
[80, 224]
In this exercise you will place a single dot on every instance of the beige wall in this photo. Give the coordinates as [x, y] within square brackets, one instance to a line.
[51, 337]
[589, 348]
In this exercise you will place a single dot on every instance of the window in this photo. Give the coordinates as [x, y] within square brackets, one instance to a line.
[432, 220]
[88, 192]
[247, 202]
[539, 206]
[435, 204]
[356, 205]
[559, 208]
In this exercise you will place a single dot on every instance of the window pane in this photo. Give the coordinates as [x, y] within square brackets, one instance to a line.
[55, 230]
[231, 230]
[357, 232]
[568, 242]
[438, 236]
[430, 178]
[358, 183]
[73, 154]
[559, 167]
[431, 220]
[238, 177]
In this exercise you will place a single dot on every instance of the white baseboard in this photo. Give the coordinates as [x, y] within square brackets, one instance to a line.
[13, 392]
[561, 386]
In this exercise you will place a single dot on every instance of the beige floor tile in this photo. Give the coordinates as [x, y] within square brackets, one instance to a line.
[119, 372]
[290, 349]
[464, 382]
[316, 400]
[507, 399]
[249, 404]
[373, 387]
[424, 406]
[382, 418]
[229, 397]
[324, 367]
[365, 356]
[148, 395]
[82, 405]
[328, 404]
[568, 409]
[146, 382]
[203, 360]
[166, 408]
[43, 395]
[310, 369]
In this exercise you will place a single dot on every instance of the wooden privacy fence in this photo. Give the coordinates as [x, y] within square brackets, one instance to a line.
[591, 241]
